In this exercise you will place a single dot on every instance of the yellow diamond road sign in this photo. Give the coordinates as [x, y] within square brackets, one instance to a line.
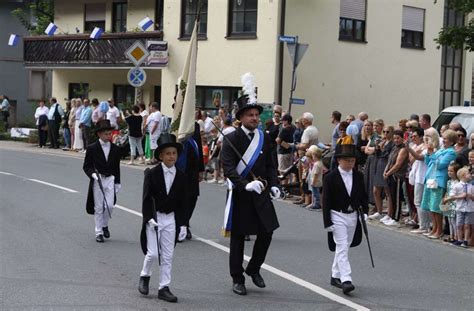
[137, 53]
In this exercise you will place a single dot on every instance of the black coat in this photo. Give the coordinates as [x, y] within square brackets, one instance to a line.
[95, 160]
[335, 197]
[250, 210]
[194, 164]
[156, 199]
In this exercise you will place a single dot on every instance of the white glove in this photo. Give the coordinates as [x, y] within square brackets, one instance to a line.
[330, 228]
[117, 188]
[182, 233]
[256, 186]
[94, 175]
[153, 223]
[275, 192]
[366, 217]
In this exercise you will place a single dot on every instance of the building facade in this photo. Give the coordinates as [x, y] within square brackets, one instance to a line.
[364, 55]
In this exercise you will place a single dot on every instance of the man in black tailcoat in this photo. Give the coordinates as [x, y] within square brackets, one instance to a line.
[102, 166]
[343, 196]
[252, 210]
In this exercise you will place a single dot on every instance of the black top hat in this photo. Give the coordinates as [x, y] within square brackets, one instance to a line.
[345, 151]
[167, 140]
[103, 125]
[242, 104]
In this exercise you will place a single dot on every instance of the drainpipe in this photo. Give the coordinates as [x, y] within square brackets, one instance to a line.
[280, 58]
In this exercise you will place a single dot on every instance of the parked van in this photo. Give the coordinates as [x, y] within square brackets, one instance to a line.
[463, 115]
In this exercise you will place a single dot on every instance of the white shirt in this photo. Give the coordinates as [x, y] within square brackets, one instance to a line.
[208, 125]
[419, 167]
[154, 118]
[347, 178]
[41, 111]
[463, 205]
[247, 131]
[225, 131]
[105, 148]
[169, 173]
[310, 136]
[113, 114]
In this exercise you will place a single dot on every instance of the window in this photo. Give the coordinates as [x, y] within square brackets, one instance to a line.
[242, 18]
[451, 65]
[352, 20]
[211, 98]
[189, 9]
[94, 16]
[78, 90]
[124, 95]
[119, 17]
[413, 20]
[159, 15]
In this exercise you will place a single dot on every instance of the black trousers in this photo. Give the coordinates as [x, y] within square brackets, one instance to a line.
[42, 136]
[85, 135]
[236, 258]
[53, 130]
[396, 191]
[192, 200]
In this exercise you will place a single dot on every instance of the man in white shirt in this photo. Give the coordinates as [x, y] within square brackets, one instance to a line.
[153, 127]
[113, 114]
[55, 116]
[41, 116]
[207, 123]
[310, 133]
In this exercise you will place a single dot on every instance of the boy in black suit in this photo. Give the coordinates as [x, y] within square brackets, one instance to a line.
[102, 166]
[164, 210]
[343, 196]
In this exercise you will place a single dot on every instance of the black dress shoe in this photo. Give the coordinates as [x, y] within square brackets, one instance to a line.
[247, 238]
[166, 295]
[106, 232]
[239, 289]
[99, 238]
[336, 282]
[189, 236]
[143, 285]
[347, 287]
[258, 280]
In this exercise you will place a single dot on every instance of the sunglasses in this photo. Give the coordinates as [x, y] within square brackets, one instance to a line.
[385, 131]
[461, 135]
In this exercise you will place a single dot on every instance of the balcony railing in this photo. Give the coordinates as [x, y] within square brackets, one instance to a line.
[80, 51]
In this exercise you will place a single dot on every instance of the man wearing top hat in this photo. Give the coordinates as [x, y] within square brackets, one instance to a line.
[344, 197]
[249, 209]
[164, 214]
[102, 166]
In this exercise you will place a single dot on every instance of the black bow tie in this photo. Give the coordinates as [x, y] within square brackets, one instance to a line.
[251, 135]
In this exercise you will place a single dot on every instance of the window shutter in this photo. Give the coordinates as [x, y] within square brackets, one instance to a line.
[95, 12]
[413, 18]
[354, 9]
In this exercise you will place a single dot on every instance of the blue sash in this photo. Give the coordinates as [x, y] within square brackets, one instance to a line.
[250, 157]
[182, 161]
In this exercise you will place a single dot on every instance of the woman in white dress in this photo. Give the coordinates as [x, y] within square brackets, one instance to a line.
[78, 142]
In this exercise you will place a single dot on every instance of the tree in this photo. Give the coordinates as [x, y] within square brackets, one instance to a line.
[459, 37]
[40, 11]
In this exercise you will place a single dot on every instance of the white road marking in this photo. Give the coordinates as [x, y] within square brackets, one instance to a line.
[314, 288]
[52, 185]
[5, 173]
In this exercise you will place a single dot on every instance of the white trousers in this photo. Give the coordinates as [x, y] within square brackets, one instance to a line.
[101, 215]
[78, 143]
[344, 228]
[166, 237]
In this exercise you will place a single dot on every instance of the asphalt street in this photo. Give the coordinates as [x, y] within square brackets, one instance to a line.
[49, 259]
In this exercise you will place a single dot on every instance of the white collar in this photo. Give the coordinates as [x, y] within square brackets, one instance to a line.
[246, 130]
[343, 172]
[104, 143]
[168, 169]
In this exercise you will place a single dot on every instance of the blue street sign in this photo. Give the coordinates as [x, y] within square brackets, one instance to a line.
[287, 39]
[297, 101]
[136, 77]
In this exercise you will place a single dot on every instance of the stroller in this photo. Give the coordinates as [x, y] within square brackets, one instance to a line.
[293, 188]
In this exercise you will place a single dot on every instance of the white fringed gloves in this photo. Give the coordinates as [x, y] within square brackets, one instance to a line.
[366, 217]
[275, 192]
[182, 233]
[95, 177]
[153, 223]
[255, 186]
[117, 188]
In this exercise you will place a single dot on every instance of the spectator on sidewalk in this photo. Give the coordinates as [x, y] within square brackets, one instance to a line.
[135, 135]
[55, 115]
[85, 123]
[66, 131]
[113, 114]
[153, 128]
[367, 148]
[449, 205]
[5, 110]
[41, 116]
[310, 134]
[284, 142]
[78, 140]
[462, 147]
[335, 120]
[72, 121]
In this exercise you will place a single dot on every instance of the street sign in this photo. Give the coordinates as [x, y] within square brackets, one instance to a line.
[158, 53]
[287, 39]
[136, 77]
[302, 47]
[298, 101]
[137, 53]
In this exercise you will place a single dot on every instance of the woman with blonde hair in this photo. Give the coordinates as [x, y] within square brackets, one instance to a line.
[72, 121]
[78, 142]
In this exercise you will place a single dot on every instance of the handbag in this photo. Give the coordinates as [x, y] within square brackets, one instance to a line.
[432, 183]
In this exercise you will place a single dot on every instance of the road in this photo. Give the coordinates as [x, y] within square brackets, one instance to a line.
[49, 259]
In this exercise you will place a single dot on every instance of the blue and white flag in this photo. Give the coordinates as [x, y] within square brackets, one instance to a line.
[145, 23]
[51, 29]
[96, 33]
[13, 40]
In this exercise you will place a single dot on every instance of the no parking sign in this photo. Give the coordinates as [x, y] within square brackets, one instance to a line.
[136, 77]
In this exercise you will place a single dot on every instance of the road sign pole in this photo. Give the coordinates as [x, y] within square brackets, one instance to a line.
[293, 75]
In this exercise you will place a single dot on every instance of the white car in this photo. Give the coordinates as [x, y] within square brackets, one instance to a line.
[463, 115]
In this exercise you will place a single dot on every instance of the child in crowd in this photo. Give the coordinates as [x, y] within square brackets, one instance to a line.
[205, 155]
[449, 206]
[214, 155]
[317, 177]
[464, 206]
[306, 162]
